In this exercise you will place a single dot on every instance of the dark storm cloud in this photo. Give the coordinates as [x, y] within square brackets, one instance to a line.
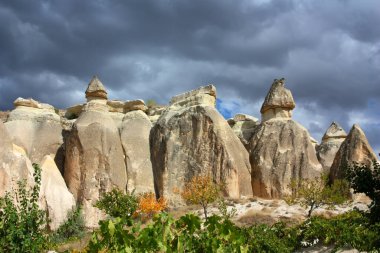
[329, 52]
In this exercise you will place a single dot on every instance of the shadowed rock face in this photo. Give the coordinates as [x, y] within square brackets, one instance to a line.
[330, 145]
[280, 149]
[192, 138]
[243, 126]
[355, 148]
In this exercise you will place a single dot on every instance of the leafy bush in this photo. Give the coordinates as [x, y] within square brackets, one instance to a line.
[149, 205]
[72, 228]
[22, 223]
[349, 229]
[201, 190]
[190, 234]
[366, 179]
[314, 193]
[118, 204]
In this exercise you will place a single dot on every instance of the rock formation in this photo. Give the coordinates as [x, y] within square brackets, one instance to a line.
[278, 103]
[134, 132]
[94, 155]
[280, 149]
[55, 198]
[191, 138]
[14, 164]
[355, 148]
[37, 129]
[243, 126]
[330, 145]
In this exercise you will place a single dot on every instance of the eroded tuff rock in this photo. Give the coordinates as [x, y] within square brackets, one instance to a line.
[278, 103]
[134, 132]
[280, 149]
[37, 129]
[243, 126]
[94, 158]
[355, 148]
[154, 112]
[330, 145]
[14, 164]
[55, 198]
[191, 138]
[95, 90]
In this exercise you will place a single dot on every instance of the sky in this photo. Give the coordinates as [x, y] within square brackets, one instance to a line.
[327, 50]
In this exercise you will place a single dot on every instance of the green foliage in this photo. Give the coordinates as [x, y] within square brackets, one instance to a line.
[365, 179]
[314, 193]
[151, 102]
[223, 210]
[350, 229]
[74, 227]
[118, 204]
[22, 223]
[190, 234]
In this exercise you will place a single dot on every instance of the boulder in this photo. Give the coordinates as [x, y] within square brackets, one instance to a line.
[37, 129]
[134, 105]
[243, 126]
[55, 198]
[94, 161]
[192, 138]
[134, 132]
[330, 145]
[355, 148]
[280, 149]
[154, 112]
[279, 102]
[73, 111]
[96, 90]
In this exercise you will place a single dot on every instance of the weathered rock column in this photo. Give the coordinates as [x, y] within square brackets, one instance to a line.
[280, 149]
[192, 138]
[94, 155]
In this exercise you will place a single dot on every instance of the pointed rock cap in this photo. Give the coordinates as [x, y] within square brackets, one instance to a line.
[96, 89]
[355, 148]
[278, 97]
[334, 131]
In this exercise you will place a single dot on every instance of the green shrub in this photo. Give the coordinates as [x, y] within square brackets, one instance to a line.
[314, 193]
[22, 223]
[366, 179]
[72, 228]
[118, 204]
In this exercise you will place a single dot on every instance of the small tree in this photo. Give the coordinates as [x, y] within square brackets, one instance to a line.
[314, 193]
[201, 190]
[366, 179]
[22, 223]
[118, 204]
[149, 205]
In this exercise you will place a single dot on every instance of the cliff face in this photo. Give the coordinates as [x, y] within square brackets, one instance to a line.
[91, 148]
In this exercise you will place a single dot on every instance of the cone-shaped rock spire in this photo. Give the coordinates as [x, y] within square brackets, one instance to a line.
[96, 90]
[355, 148]
[330, 145]
[334, 131]
[278, 103]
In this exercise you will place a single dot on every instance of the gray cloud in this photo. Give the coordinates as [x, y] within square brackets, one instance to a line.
[329, 52]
